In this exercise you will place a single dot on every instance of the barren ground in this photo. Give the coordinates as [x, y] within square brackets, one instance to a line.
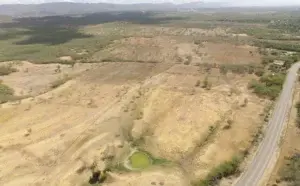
[146, 88]
[47, 138]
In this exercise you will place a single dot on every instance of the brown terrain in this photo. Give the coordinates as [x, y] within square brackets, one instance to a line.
[149, 88]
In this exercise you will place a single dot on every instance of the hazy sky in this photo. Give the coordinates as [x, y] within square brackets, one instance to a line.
[232, 2]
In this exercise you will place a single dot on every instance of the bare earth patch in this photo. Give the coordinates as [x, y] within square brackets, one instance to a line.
[34, 79]
[57, 135]
[173, 50]
[65, 58]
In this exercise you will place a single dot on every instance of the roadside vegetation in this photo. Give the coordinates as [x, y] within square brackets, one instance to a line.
[225, 169]
[291, 171]
[268, 86]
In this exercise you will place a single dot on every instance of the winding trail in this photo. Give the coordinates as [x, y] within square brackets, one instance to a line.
[266, 154]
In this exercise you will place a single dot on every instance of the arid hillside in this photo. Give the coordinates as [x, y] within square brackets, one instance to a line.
[131, 99]
[89, 118]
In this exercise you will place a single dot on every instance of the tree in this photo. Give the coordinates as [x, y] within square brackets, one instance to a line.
[223, 70]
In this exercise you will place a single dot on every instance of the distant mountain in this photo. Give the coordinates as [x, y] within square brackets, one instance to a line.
[200, 4]
[67, 8]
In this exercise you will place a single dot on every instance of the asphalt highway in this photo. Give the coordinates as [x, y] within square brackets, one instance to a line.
[264, 158]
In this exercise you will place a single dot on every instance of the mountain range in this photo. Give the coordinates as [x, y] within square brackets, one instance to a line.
[69, 8]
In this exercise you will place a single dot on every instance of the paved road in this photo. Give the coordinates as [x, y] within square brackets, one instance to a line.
[264, 158]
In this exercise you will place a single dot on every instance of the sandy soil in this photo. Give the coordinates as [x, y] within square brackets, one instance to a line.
[34, 79]
[66, 58]
[173, 50]
[46, 139]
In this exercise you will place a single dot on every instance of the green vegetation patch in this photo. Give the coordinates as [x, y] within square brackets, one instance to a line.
[241, 69]
[140, 160]
[268, 86]
[6, 93]
[298, 114]
[37, 47]
[291, 171]
[225, 169]
[287, 46]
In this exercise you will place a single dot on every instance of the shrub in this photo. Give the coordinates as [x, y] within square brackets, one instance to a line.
[198, 83]
[267, 60]
[291, 171]
[279, 45]
[276, 79]
[225, 169]
[199, 43]
[188, 60]
[60, 82]
[259, 72]
[6, 70]
[245, 103]
[6, 90]
[239, 69]
[298, 114]
[264, 91]
[268, 86]
[223, 70]
[206, 84]
[6, 93]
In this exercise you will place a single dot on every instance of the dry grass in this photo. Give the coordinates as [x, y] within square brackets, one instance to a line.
[60, 81]
[6, 70]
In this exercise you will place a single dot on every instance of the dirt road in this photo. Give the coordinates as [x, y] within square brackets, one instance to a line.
[266, 154]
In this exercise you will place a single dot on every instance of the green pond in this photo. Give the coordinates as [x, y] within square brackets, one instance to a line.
[140, 160]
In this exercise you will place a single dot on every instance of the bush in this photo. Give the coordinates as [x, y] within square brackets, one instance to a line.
[239, 69]
[223, 70]
[264, 91]
[298, 114]
[276, 79]
[291, 171]
[6, 90]
[267, 60]
[188, 60]
[6, 93]
[6, 70]
[259, 72]
[245, 103]
[198, 83]
[268, 86]
[279, 45]
[59, 82]
[199, 43]
[225, 169]
[206, 84]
